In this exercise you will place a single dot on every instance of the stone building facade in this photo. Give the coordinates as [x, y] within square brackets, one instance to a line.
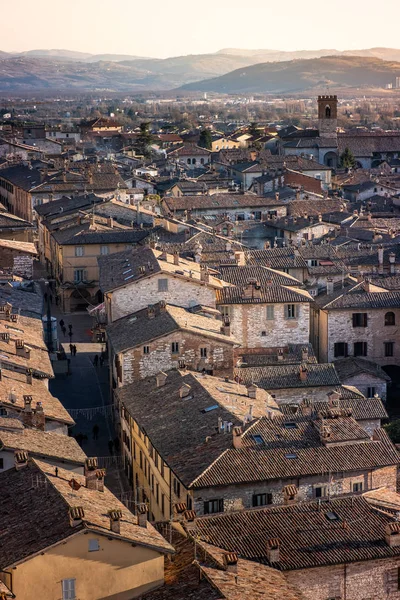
[260, 318]
[163, 337]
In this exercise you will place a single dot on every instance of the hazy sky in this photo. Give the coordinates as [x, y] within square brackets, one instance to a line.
[173, 27]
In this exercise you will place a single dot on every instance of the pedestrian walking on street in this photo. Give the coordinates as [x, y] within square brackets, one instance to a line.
[62, 323]
[64, 330]
[71, 349]
[101, 360]
[96, 360]
[74, 347]
[70, 327]
[111, 447]
[95, 431]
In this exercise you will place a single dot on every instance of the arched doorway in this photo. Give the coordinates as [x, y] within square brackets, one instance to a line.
[331, 160]
[79, 300]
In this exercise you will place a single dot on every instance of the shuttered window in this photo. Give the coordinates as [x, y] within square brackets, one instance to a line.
[68, 589]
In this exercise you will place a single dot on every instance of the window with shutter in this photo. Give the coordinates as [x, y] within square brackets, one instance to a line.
[360, 348]
[291, 311]
[68, 589]
[270, 312]
[360, 319]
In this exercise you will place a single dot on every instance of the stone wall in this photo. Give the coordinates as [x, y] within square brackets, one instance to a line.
[237, 497]
[252, 329]
[340, 329]
[368, 580]
[139, 295]
[137, 365]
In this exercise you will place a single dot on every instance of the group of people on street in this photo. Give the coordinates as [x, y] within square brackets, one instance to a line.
[64, 329]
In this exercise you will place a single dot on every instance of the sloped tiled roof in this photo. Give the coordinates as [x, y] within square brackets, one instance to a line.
[292, 453]
[288, 376]
[37, 506]
[137, 328]
[307, 536]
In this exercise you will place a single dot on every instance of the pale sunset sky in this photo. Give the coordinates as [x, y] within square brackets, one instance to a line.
[162, 28]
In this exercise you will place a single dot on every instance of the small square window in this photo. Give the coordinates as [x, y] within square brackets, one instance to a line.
[357, 487]
[146, 349]
[79, 251]
[203, 352]
[175, 347]
[94, 545]
[104, 250]
[360, 319]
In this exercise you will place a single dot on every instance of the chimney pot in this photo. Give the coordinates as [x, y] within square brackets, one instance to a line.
[142, 515]
[115, 520]
[29, 376]
[273, 550]
[252, 391]
[231, 562]
[237, 437]
[176, 258]
[161, 379]
[20, 459]
[303, 373]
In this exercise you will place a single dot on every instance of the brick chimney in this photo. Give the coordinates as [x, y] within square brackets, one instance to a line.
[29, 376]
[303, 373]
[333, 399]
[27, 414]
[161, 379]
[307, 407]
[21, 349]
[110, 222]
[90, 469]
[240, 258]
[151, 311]
[237, 437]
[230, 562]
[115, 520]
[392, 534]
[184, 390]
[290, 494]
[176, 258]
[252, 391]
[20, 459]
[325, 434]
[5, 337]
[39, 419]
[142, 515]
[204, 274]
[304, 354]
[76, 515]
[273, 550]
[226, 326]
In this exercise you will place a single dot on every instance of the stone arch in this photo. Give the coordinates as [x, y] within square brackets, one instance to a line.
[331, 159]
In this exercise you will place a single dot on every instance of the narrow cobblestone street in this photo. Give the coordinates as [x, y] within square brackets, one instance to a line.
[87, 387]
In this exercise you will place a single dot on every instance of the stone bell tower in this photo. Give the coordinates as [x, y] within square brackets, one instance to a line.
[327, 116]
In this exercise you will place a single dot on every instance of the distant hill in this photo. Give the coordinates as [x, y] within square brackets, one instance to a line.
[281, 55]
[299, 75]
[226, 71]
